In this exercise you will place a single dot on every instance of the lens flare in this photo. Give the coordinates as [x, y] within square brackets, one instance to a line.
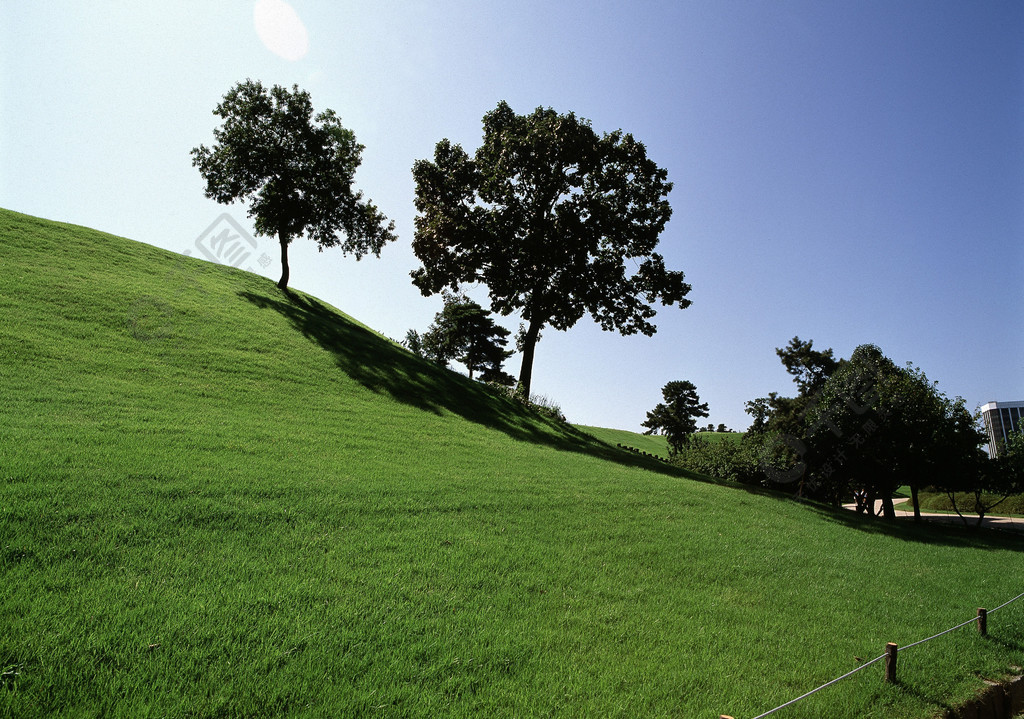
[280, 29]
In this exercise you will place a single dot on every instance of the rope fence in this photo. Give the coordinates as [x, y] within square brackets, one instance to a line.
[891, 650]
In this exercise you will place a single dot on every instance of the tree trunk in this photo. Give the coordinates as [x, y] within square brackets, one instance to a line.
[979, 508]
[529, 344]
[888, 511]
[283, 282]
[913, 498]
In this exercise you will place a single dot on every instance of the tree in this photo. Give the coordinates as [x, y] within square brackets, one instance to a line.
[1011, 460]
[295, 171]
[464, 331]
[940, 438]
[993, 479]
[555, 220]
[780, 421]
[676, 418]
[413, 342]
[810, 369]
[876, 425]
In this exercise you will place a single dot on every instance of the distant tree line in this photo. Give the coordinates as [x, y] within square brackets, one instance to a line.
[860, 428]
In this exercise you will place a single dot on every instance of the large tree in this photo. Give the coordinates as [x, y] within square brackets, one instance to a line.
[293, 168]
[556, 220]
[676, 417]
[778, 425]
[877, 426]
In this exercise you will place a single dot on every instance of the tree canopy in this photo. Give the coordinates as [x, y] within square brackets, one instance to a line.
[293, 168]
[676, 418]
[810, 369]
[555, 220]
[863, 424]
[464, 331]
[874, 426]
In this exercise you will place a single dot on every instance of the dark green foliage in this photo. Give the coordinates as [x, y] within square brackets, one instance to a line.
[862, 424]
[464, 331]
[877, 426]
[810, 369]
[740, 461]
[1010, 463]
[676, 417]
[413, 342]
[555, 220]
[295, 171]
[780, 420]
[851, 433]
[989, 482]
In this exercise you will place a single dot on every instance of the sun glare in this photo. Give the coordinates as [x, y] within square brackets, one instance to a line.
[281, 29]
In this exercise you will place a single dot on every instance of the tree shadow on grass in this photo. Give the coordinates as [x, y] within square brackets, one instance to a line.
[384, 368]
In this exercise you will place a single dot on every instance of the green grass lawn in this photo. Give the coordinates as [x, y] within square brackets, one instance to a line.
[655, 444]
[217, 499]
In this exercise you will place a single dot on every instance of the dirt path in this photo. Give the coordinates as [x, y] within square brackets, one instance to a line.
[1015, 523]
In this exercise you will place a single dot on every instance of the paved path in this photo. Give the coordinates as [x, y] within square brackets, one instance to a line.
[1015, 523]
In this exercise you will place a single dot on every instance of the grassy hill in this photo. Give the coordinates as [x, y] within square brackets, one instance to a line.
[217, 499]
[652, 444]
[655, 444]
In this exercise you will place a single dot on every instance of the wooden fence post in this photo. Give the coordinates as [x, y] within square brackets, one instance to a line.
[982, 621]
[890, 662]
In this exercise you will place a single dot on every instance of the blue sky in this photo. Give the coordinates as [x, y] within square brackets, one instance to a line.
[848, 172]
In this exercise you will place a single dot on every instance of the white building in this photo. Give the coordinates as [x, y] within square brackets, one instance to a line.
[1001, 418]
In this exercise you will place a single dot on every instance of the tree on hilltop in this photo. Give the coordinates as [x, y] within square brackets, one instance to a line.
[676, 418]
[294, 169]
[554, 219]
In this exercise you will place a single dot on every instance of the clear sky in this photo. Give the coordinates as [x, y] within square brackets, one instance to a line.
[848, 172]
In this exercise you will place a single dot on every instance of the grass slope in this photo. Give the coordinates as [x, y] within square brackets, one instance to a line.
[656, 444]
[220, 500]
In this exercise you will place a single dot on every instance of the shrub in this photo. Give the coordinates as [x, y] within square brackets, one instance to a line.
[538, 402]
[741, 461]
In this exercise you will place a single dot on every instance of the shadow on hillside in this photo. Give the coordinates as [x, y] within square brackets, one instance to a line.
[384, 368]
[904, 527]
